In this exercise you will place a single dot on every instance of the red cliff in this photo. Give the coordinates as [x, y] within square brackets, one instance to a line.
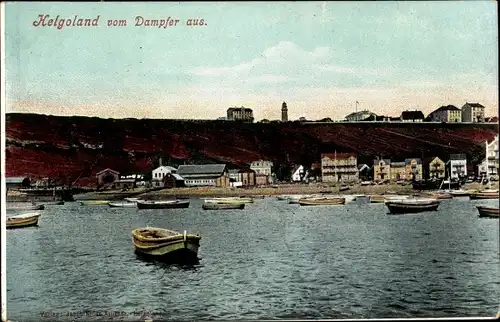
[71, 147]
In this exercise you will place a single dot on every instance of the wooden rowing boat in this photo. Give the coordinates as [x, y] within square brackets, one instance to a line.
[321, 201]
[485, 195]
[122, 204]
[412, 205]
[94, 202]
[165, 244]
[166, 204]
[488, 212]
[377, 198]
[222, 206]
[23, 220]
[236, 200]
[25, 207]
[440, 195]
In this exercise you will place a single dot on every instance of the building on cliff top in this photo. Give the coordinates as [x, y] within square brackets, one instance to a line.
[215, 175]
[339, 167]
[473, 113]
[412, 116]
[240, 114]
[449, 113]
[360, 116]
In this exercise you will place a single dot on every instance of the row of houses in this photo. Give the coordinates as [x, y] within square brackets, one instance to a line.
[469, 113]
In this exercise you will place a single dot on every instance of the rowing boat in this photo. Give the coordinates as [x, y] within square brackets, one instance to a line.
[94, 202]
[166, 204]
[412, 205]
[222, 206]
[321, 201]
[165, 244]
[122, 204]
[23, 220]
[488, 212]
[236, 200]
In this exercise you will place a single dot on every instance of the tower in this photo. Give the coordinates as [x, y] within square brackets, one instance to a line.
[284, 113]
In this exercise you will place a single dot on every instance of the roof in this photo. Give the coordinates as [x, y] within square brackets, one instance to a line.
[361, 113]
[387, 161]
[246, 170]
[398, 164]
[475, 105]
[362, 166]
[169, 168]
[233, 171]
[177, 177]
[339, 155]
[412, 115]
[107, 170]
[15, 179]
[201, 169]
[240, 108]
[447, 108]
[408, 161]
[459, 156]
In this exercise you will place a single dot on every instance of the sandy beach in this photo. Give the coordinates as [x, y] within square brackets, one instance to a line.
[289, 189]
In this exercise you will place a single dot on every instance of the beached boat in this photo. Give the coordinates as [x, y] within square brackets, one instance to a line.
[94, 202]
[23, 220]
[122, 204]
[222, 206]
[395, 197]
[440, 195]
[485, 194]
[460, 192]
[167, 204]
[131, 199]
[412, 205]
[165, 244]
[236, 200]
[377, 198]
[488, 212]
[366, 183]
[25, 207]
[344, 188]
[321, 201]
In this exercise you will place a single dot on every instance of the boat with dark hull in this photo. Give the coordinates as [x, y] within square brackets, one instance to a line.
[405, 206]
[167, 204]
[488, 212]
[166, 245]
[485, 195]
[222, 206]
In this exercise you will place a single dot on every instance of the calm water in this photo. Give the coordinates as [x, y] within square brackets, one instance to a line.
[270, 260]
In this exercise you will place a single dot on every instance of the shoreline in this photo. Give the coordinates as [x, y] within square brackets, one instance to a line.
[293, 189]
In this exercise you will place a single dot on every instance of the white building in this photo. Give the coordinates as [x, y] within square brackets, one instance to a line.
[160, 173]
[359, 116]
[489, 166]
[298, 173]
[473, 113]
[458, 165]
[263, 167]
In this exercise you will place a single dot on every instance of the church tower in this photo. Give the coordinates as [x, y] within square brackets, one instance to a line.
[284, 113]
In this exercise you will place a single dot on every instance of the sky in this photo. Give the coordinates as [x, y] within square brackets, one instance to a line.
[319, 57]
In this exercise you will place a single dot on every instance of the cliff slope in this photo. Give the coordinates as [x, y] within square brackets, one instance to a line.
[79, 147]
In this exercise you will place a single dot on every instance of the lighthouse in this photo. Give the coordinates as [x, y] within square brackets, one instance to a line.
[284, 113]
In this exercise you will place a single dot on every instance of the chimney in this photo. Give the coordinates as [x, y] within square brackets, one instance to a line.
[160, 162]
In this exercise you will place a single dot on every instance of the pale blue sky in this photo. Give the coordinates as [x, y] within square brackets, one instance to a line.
[320, 57]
